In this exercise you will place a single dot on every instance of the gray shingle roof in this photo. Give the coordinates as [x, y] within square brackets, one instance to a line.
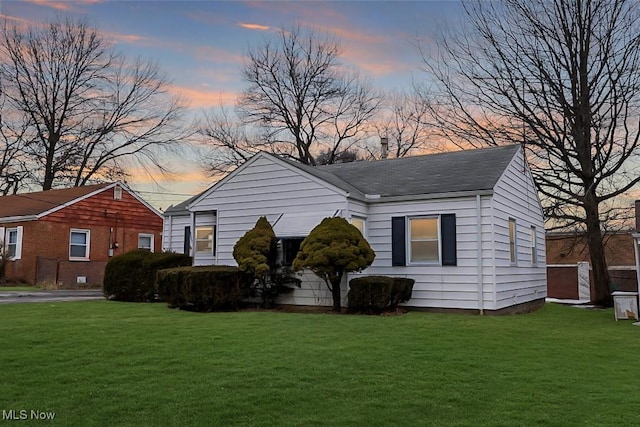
[180, 208]
[457, 171]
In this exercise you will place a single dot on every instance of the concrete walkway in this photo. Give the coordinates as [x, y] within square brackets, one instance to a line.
[10, 297]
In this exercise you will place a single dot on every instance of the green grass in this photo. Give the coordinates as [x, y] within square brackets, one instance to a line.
[108, 363]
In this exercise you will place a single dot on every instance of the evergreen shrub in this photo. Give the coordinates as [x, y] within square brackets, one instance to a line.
[377, 294]
[203, 289]
[132, 275]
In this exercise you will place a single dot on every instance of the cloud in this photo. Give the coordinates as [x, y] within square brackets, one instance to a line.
[64, 6]
[254, 26]
[204, 97]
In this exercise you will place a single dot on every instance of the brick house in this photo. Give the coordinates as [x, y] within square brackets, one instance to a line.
[67, 236]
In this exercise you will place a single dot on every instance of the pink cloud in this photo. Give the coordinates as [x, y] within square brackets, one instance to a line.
[203, 98]
[254, 26]
[62, 5]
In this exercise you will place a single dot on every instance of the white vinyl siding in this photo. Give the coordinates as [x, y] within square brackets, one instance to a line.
[173, 234]
[515, 196]
[79, 244]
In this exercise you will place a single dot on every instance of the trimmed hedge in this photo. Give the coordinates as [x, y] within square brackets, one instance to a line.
[204, 289]
[132, 275]
[377, 294]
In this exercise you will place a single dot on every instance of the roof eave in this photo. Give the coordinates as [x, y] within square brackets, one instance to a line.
[20, 218]
[433, 196]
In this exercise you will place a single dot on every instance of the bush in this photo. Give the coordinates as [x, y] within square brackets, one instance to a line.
[132, 275]
[376, 294]
[203, 289]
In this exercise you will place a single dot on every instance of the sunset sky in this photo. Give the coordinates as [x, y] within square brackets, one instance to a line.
[200, 45]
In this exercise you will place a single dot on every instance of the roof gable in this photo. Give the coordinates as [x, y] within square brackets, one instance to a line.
[38, 204]
[323, 178]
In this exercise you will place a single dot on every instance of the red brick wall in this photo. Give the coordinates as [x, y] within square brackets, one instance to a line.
[108, 220]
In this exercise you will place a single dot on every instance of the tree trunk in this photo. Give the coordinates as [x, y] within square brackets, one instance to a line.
[601, 281]
[335, 293]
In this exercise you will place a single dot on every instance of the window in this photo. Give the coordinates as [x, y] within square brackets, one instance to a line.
[513, 252]
[290, 248]
[79, 243]
[12, 242]
[117, 193]
[204, 240]
[534, 247]
[423, 240]
[145, 241]
[358, 223]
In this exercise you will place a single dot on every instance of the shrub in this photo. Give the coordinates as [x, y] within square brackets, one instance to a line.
[334, 247]
[132, 275]
[204, 289]
[376, 294]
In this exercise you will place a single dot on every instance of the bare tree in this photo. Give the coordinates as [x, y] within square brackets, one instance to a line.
[299, 102]
[89, 111]
[562, 76]
[404, 124]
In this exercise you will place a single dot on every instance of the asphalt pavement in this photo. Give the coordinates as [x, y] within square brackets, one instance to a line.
[10, 297]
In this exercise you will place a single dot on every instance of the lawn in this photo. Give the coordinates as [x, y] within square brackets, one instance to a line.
[109, 363]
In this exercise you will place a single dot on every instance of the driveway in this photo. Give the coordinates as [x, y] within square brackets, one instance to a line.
[50, 296]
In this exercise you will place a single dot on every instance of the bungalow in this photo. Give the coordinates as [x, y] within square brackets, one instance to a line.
[68, 235]
[466, 225]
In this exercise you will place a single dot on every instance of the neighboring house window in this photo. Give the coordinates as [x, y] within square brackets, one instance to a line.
[205, 240]
[79, 244]
[145, 241]
[12, 240]
[358, 223]
[423, 240]
[513, 249]
[117, 193]
[534, 246]
[290, 248]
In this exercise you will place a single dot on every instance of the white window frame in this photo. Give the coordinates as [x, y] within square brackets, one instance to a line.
[196, 240]
[513, 241]
[410, 240]
[88, 244]
[5, 241]
[117, 193]
[534, 246]
[362, 222]
[151, 240]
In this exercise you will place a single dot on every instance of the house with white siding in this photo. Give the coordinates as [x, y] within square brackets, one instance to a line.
[467, 226]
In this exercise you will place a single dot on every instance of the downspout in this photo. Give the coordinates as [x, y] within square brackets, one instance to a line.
[636, 241]
[479, 253]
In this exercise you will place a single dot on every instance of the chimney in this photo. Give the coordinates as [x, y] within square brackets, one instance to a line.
[637, 216]
[384, 145]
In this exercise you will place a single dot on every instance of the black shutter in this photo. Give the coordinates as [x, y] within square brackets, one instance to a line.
[448, 233]
[398, 241]
[187, 240]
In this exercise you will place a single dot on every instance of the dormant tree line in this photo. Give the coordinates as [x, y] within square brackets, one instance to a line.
[559, 76]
